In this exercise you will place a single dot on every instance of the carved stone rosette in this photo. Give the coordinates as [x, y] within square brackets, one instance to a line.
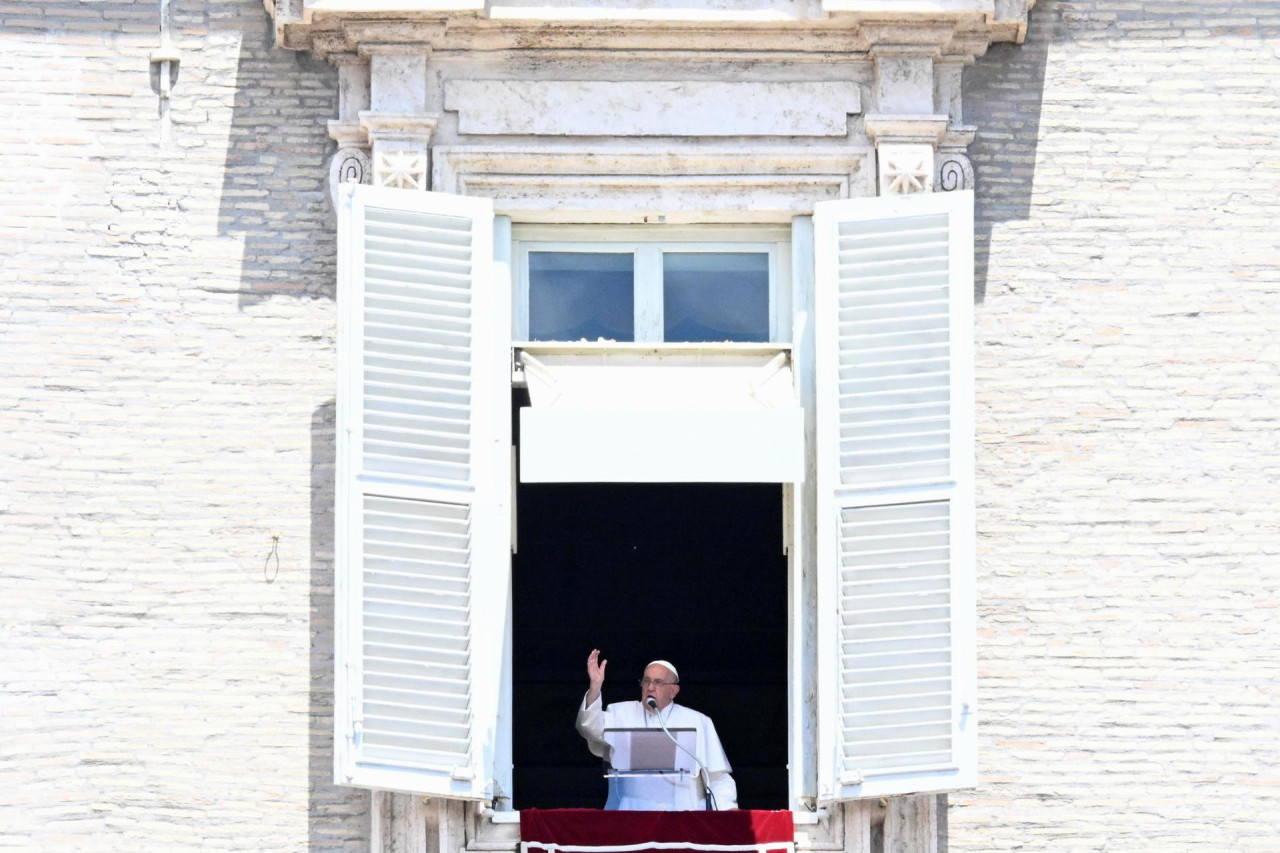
[400, 145]
[905, 169]
[905, 151]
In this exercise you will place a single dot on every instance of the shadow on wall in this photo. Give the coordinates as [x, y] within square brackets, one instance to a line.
[274, 194]
[1003, 96]
[274, 199]
[1003, 93]
[336, 816]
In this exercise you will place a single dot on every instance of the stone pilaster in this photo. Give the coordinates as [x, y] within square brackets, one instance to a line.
[350, 163]
[906, 125]
[917, 124]
[953, 170]
[353, 99]
[398, 126]
[911, 824]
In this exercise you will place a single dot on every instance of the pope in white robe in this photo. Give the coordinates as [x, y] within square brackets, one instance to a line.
[655, 793]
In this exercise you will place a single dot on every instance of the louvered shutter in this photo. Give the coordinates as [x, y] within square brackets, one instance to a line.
[893, 339]
[422, 538]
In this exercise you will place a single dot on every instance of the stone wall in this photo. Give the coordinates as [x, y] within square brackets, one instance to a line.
[1128, 388]
[166, 413]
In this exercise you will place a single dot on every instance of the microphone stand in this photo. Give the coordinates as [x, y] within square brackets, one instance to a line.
[703, 773]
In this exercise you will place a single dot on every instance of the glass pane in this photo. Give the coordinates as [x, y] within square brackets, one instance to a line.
[715, 296]
[577, 295]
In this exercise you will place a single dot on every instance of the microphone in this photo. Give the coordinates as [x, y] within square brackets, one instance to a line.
[704, 775]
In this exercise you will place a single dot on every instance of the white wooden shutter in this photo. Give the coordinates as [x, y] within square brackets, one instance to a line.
[893, 340]
[423, 483]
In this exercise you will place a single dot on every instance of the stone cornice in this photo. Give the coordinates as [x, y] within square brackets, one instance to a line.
[460, 81]
[905, 128]
[348, 133]
[956, 27]
[684, 184]
[378, 124]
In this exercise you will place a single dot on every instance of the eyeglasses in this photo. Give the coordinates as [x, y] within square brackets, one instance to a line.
[653, 682]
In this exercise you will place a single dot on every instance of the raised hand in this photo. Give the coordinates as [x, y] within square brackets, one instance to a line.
[595, 676]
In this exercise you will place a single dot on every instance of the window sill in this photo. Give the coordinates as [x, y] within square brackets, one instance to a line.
[801, 818]
[499, 831]
[648, 348]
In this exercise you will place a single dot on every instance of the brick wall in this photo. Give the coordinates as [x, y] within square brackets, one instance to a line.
[1128, 407]
[166, 409]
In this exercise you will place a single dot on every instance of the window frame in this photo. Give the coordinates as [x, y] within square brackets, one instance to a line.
[647, 245]
[791, 266]
[900, 223]
[483, 493]
[797, 269]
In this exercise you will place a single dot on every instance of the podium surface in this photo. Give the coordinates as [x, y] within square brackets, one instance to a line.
[595, 831]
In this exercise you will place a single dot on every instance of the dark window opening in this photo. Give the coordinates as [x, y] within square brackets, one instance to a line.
[693, 573]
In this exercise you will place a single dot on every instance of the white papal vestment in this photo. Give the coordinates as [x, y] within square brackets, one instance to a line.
[659, 793]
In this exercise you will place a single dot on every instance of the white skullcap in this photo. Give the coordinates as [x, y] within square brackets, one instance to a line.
[666, 664]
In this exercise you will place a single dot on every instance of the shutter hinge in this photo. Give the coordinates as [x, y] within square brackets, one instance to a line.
[517, 370]
[357, 721]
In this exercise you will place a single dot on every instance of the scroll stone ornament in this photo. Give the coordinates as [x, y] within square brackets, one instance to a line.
[348, 166]
[955, 172]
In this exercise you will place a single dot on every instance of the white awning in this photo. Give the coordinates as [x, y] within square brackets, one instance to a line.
[660, 414]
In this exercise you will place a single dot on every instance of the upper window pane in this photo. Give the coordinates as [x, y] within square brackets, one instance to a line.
[577, 295]
[715, 296]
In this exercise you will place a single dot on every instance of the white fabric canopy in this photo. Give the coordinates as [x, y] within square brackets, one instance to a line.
[706, 417]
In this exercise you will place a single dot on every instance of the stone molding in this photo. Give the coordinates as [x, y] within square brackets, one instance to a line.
[692, 185]
[348, 133]
[688, 108]
[578, 78]
[317, 24]
[927, 129]
[381, 125]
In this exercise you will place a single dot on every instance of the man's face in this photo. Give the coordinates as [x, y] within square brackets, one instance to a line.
[660, 683]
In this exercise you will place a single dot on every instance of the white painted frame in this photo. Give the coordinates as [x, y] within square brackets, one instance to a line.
[957, 491]
[487, 492]
[786, 265]
[798, 505]
[647, 247]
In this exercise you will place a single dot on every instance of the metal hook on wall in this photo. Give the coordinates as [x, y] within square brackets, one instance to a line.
[267, 574]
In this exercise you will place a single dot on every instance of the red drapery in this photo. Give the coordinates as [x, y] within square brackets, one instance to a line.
[590, 830]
